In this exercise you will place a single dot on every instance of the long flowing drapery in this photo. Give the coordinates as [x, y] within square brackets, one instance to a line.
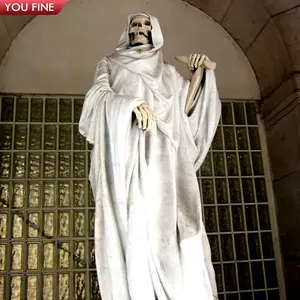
[149, 235]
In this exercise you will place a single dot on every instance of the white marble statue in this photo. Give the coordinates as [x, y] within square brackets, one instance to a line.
[148, 142]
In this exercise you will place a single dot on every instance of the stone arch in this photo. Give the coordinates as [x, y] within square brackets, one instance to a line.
[58, 55]
[265, 30]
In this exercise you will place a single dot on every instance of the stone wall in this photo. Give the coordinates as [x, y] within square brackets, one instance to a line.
[281, 114]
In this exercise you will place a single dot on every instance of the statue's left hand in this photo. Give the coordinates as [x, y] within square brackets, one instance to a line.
[196, 60]
[144, 116]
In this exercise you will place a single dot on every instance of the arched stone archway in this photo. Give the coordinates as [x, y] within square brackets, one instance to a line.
[265, 30]
[50, 56]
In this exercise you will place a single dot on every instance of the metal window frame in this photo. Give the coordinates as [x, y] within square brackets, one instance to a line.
[270, 202]
[72, 239]
[272, 209]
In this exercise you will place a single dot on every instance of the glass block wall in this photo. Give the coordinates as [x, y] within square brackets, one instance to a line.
[236, 208]
[47, 208]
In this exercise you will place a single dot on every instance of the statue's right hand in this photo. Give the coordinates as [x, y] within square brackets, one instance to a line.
[144, 116]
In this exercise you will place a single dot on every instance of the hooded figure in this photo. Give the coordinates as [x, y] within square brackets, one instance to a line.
[150, 242]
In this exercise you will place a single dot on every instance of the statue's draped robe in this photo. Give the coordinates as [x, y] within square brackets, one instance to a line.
[149, 234]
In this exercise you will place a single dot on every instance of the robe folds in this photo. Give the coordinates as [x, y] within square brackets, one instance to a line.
[150, 240]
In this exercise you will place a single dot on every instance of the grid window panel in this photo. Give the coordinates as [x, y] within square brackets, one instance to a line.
[47, 246]
[236, 208]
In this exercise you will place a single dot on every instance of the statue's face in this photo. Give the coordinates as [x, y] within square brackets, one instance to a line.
[140, 31]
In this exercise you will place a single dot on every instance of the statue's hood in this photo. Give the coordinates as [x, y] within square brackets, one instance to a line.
[149, 63]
